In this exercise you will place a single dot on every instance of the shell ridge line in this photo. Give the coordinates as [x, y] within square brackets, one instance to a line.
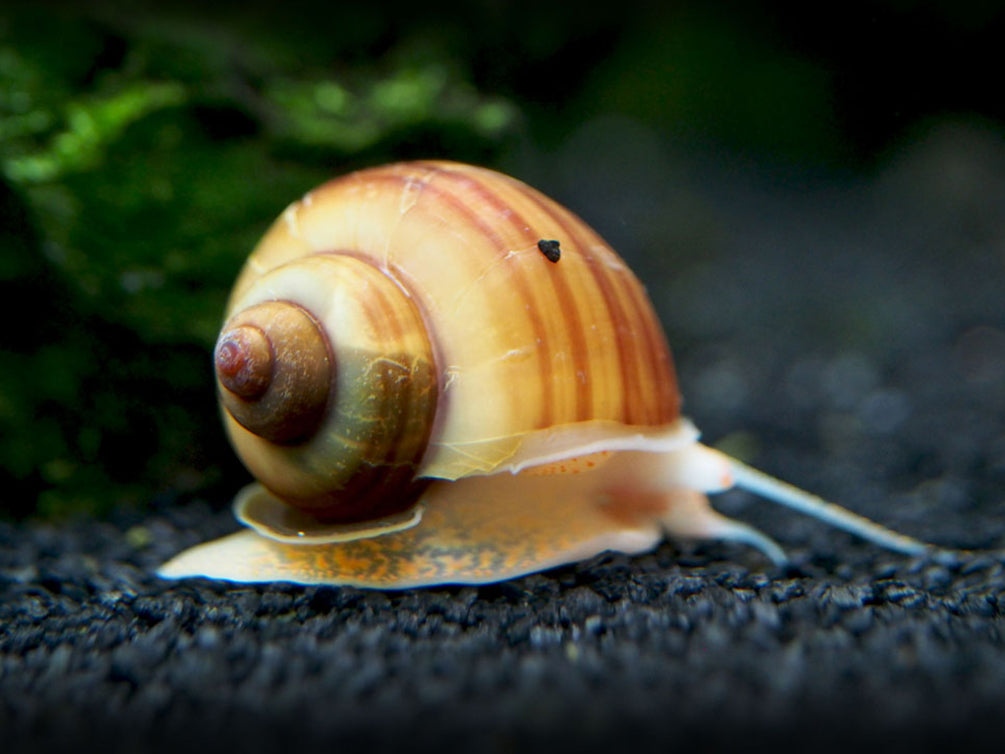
[593, 255]
[389, 269]
[292, 221]
[451, 373]
[611, 262]
[405, 284]
[470, 287]
[460, 183]
[516, 353]
[444, 376]
[627, 441]
[256, 266]
[395, 364]
[475, 461]
[562, 293]
[660, 360]
[453, 186]
[411, 191]
[639, 308]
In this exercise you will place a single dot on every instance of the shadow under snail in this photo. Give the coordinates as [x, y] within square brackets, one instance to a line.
[439, 375]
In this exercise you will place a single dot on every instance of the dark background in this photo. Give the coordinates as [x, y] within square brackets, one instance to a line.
[146, 146]
[814, 197]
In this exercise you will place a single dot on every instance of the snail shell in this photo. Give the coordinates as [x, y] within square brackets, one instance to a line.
[438, 374]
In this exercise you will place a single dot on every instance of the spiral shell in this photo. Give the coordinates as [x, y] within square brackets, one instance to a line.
[428, 275]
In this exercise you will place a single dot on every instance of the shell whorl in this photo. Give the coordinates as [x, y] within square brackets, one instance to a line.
[275, 371]
[329, 386]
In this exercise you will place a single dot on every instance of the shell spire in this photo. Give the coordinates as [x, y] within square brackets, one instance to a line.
[329, 384]
[275, 371]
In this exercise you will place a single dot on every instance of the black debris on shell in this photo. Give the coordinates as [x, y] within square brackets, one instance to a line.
[550, 249]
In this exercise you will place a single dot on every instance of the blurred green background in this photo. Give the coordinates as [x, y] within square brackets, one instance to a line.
[144, 147]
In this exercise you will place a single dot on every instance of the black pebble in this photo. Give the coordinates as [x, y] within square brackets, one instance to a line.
[550, 249]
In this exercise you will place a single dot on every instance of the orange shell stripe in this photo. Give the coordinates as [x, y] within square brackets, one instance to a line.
[590, 284]
[521, 343]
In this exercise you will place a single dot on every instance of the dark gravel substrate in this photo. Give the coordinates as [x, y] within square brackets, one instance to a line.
[852, 338]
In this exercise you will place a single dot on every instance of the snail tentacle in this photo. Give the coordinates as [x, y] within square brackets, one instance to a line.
[688, 515]
[783, 493]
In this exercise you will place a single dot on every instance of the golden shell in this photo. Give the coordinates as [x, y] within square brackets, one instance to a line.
[433, 270]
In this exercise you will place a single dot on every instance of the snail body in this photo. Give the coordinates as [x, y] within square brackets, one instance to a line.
[439, 375]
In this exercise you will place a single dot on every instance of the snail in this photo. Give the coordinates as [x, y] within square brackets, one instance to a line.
[439, 375]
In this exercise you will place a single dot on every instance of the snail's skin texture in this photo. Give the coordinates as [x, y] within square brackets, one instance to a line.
[485, 529]
[427, 395]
